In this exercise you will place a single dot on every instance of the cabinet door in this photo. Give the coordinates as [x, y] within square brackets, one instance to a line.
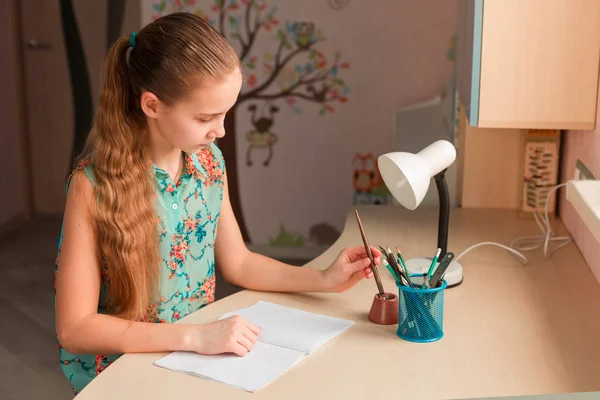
[539, 64]
[468, 56]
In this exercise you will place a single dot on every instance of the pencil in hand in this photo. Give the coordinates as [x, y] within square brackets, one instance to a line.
[370, 255]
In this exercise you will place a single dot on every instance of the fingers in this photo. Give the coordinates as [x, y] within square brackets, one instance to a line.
[238, 349]
[247, 343]
[361, 264]
[250, 335]
[376, 252]
[367, 272]
[243, 322]
[253, 327]
[358, 252]
[245, 335]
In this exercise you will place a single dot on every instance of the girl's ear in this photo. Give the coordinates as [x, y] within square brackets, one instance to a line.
[150, 104]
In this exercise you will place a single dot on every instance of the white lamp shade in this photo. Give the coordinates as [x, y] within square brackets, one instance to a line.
[407, 175]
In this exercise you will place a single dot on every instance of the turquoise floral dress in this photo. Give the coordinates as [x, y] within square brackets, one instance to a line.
[187, 212]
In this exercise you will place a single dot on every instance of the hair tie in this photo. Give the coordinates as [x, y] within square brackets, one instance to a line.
[132, 40]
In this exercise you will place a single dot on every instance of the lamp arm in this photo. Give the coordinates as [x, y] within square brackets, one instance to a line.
[444, 200]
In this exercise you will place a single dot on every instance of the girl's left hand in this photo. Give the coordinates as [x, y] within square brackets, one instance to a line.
[349, 268]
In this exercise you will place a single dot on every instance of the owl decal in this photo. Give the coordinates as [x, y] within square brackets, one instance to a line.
[369, 187]
[366, 174]
[303, 34]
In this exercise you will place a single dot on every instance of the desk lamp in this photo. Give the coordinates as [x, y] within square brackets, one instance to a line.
[407, 176]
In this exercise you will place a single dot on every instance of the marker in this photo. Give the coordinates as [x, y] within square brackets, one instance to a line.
[433, 263]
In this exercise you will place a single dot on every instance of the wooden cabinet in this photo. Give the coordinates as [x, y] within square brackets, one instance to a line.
[488, 165]
[529, 63]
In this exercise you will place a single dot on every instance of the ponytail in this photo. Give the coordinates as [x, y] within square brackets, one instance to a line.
[125, 221]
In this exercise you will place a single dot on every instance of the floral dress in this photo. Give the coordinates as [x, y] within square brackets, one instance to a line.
[187, 212]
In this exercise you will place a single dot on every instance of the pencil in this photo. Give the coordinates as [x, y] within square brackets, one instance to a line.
[368, 249]
[403, 265]
[392, 272]
[400, 257]
[400, 270]
[393, 261]
[392, 266]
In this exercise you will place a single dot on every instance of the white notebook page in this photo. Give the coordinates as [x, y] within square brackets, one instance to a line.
[256, 369]
[290, 327]
[286, 337]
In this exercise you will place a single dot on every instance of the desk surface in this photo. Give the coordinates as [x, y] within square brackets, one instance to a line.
[509, 329]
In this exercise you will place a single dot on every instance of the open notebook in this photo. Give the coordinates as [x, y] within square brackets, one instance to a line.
[287, 336]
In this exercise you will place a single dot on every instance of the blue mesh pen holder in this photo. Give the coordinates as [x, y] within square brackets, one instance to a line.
[420, 311]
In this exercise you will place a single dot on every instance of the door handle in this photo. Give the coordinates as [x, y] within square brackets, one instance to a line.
[36, 44]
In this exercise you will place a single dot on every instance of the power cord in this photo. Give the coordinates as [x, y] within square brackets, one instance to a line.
[530, 243]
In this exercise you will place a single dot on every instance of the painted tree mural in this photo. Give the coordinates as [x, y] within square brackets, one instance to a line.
[295, 72]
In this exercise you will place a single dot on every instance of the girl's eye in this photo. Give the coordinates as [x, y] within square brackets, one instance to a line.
[205, 119]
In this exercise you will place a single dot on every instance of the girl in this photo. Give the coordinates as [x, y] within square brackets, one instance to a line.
[148, 215]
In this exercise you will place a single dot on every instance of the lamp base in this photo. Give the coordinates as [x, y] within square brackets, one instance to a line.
[453, 275]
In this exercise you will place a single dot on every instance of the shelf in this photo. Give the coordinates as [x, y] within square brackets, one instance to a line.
[585, 197]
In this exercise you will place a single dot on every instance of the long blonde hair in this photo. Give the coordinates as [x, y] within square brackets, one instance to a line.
[166, 54]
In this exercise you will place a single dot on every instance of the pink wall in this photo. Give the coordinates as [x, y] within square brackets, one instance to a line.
[585, 146]
[397, 52]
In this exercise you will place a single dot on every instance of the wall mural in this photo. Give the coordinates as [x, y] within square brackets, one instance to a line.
[295, 73]
[261, 136]
[369, 187]
[298, 140]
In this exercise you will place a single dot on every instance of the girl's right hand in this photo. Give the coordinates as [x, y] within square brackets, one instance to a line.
[229, 335]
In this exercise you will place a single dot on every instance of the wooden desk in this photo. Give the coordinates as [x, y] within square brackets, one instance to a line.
[509, 329]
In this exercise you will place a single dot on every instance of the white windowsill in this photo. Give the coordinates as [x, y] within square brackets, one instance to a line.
[585, 197]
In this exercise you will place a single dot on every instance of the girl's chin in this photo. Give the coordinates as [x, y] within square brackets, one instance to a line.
[199, 147]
